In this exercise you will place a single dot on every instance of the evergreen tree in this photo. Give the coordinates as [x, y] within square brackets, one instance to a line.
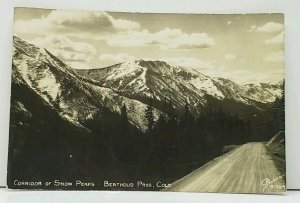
[150, 117]
[188, 120]
[124, 112]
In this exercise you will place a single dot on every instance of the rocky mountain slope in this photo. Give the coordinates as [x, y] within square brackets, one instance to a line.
[74, 98]
[161, 81]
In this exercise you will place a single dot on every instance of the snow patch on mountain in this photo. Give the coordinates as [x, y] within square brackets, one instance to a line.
[264, 92]
[123, 70]
[38, 76]
[207, 85]
[135, 108]
[47, 83]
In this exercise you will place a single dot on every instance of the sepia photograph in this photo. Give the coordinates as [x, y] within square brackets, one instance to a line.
[147, 102]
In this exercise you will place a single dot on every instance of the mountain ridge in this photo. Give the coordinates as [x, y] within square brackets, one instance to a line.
[72, 96]
[78, 94]
[158, 80]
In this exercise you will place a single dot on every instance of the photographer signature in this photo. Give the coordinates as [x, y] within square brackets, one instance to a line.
[270, 183]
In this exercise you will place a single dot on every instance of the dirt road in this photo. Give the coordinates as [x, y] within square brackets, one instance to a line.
[247, 169]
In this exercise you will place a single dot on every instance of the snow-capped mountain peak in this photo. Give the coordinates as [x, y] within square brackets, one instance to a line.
[156, 79]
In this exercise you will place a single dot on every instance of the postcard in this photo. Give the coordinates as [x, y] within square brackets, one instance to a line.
[147, 102]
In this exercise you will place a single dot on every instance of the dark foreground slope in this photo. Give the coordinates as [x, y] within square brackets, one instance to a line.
[63, 127]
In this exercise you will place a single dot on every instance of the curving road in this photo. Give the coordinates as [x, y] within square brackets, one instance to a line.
[247, 169]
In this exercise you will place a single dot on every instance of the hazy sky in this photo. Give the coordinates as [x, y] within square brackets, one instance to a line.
[244, 48]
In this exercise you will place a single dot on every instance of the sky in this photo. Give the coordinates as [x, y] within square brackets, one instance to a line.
[244, 48]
